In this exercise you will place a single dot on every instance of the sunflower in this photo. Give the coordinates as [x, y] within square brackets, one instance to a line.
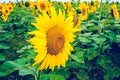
[4, 16]
[64, 5]
[7, 11]
[76, 21]
[70, 9]
[1, 6]
[51, 40]
[13, 4]
[30, 4]
[114, 11]
[83, 7]
[91, 8]
[42, 6]
[34, 5]
[22, 4]
[97, 3]
[9, 8]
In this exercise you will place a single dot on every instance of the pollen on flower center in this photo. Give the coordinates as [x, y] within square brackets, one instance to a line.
[83, 11]
[10, 8]
[55, 41]
[42, 6]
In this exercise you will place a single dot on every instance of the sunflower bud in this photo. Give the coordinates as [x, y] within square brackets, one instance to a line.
[110, 15]
[78, 11]
[117, 2]
[0, 13]
[119, 10]
[92, 3]
[111, 12]
[27, 4]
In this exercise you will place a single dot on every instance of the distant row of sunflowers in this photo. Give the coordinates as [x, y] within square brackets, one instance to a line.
[80, 11]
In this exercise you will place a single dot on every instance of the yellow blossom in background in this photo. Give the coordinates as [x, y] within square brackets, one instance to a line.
[91, 8]
[64, 5]
[114, 11]
[10, 7]
[22, 4]
[49, 4]
[76, 21]
[42, 6]
[97, 3]
[35, 13]
[1, 6]
[51, 40]
[4, 16]
[84, 12]
[70, 10]
[29, 4]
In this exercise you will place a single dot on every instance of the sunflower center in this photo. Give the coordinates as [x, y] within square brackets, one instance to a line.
[0, 7]
[42, 6]
[55, 41]
[10, 8]
[6, 11]
[76, 20]
[83, 11]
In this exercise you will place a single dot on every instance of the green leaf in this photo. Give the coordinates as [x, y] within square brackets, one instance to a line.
[51, 77]
[10, 66]
[111, 35]
[78, 59]
[2, 57]
[104, 61]
[76, 65]
[22, 20]
[93, 28]
[56, 77]
[82, 75]
[84, 40]
[115, 72]
[97, 39]
[111, 73]
[108, 21]
[64, 72]
[4, 46]
[118, 38]
[24, 72]
[89, 24]
[107, 46]
[79, 55]
[91, 53]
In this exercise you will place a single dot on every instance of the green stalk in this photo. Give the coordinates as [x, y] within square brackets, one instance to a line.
[38, 76]
[99, 25]
[99, 29]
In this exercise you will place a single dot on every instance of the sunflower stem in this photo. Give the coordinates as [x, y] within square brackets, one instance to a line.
[38, 77]
[99, 25]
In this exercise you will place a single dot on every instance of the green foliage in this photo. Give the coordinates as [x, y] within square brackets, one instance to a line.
[1, 57]
[96, 54]
[11, 66]
[52, 77]
[15, 52]
[26, 71]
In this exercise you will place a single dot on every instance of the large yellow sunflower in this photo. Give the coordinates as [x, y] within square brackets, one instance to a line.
[52, 39]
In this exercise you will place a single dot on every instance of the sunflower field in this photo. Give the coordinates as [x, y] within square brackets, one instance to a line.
[53, 40]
